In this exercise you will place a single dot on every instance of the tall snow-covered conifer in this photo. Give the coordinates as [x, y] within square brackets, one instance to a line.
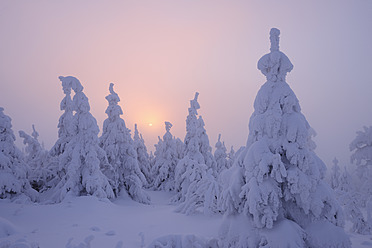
[142, 156]
[361, 147]
[220, 156]
[196, 186]
[280, 187]
[118, 144]
[13, 170]
[81, 157]
[166, 159]
[65, 123]
[335, 175]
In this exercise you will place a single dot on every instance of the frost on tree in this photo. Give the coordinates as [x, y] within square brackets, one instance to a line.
[142, 156]
[117, 142]
[220, 156]
[41, 175]
[166, 159]
[282, 178]
[13, 170]
[81, 159]
[361, 147]
[65, 123]
[231, 157]
[195, 129]
[196, 171]
[335, 175]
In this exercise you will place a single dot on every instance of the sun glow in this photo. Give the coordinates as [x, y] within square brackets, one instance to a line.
[150, 124]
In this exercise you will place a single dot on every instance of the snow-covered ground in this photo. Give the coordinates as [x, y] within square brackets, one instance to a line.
[89, 222]
[78, 221]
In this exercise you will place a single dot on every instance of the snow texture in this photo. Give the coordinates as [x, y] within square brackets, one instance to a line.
[13, 169]
[196, 184]
[81, 159]
[116, 141]
[183, 241]
[361, 147]
[42, 172]
[283, 177]
[142, 156]
[166, 159]
[220, 156]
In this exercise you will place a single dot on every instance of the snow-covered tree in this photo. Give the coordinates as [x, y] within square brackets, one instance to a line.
[152, 159]
[82, 158]
[65, 123]
[354, 214]
[220, 156]
[350, 198]
[65, 133]
[335, 174]
[166, 159]
[117, 142]
[205, 148]
[283, 178]
[231, 157]
[361, 147]
[195, 129]
[191, 170]
[142, 156]
[202, 194]
[345, 182]
[41, 174]
[13, 170]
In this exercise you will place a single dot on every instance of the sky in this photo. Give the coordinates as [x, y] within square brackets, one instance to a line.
[159, 53]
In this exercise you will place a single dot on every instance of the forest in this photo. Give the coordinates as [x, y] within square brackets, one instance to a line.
[273, 192]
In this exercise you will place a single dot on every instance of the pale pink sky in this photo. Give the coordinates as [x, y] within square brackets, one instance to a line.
[159, 53]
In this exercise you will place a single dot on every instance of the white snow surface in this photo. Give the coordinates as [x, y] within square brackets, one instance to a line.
[79, 221]
[102, 223]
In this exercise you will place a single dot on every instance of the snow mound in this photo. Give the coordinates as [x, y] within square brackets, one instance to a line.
[6, 228]
[183, 241]
[285, 233]
[237, 231]
[325, 234]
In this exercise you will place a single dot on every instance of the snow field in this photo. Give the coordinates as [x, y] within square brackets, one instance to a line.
[121, 223]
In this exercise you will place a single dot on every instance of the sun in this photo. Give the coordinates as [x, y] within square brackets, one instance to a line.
[150, 124]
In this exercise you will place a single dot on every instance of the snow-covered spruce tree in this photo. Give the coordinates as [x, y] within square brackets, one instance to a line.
[231, 157]
[152, 159]
[196, 186]
[220, 156]
[281, 192]
[335, 174]
[13, 169]
[361, 147]
[82, 158]
[142, 156]
[65, 123]
[350, 198]
[193, 161]
[38, 159]
[166, 159]
[345, 182]
[65, 134]
[117, 142]
[205, 148]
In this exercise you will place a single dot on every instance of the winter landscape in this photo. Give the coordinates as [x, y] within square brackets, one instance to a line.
[103, 185]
